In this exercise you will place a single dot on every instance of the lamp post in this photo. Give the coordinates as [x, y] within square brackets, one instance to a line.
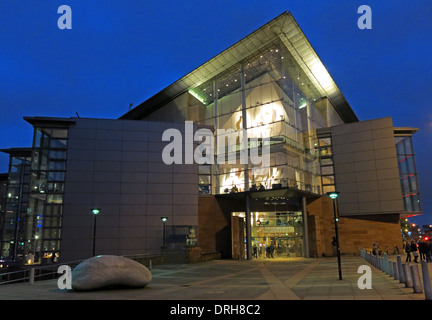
[95, 212]
[164, 219]
[333, 195]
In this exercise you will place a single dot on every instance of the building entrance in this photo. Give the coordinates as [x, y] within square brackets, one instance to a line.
[275, 234]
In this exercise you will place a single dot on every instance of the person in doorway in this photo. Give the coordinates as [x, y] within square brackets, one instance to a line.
[272, 248]
[408, 252]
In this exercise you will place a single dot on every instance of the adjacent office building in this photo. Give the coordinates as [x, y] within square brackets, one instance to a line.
[272, 93]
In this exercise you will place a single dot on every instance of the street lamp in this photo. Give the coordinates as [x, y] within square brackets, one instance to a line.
[333, 195]
[95, 212]
[164, 219]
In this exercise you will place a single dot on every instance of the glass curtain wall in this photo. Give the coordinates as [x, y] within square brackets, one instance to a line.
[46, 193]
[326, 163]
[279, 102]
[15, 227]
[408, 174]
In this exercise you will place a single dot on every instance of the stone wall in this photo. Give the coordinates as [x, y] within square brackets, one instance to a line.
[354, 233]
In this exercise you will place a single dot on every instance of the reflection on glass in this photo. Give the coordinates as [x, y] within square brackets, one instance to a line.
[408, 174]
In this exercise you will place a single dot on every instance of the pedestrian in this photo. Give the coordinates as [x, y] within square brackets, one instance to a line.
[374, 249]
[414, 251]
[428, 251]
[272, 250]
[408, 252]
[255, 251]
[423, 250]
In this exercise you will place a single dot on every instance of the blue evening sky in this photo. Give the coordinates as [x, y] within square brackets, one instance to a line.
[122, 52]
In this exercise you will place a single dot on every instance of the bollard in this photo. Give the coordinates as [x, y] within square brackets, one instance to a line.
[150, 265]
[416, 279]
[390, 268]
[32, 276]
[400, 270]
[426, 281]
[407, 275]
[395, 271]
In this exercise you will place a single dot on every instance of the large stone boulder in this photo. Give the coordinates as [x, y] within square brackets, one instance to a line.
[109, 271]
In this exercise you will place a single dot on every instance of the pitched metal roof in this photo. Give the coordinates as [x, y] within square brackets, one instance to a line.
[283, 28]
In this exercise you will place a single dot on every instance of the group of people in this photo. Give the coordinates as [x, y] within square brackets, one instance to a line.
[376, 250]
[422, 249]
[414, 250]
[269, 250]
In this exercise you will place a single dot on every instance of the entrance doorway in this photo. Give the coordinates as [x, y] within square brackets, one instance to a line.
[274, 234]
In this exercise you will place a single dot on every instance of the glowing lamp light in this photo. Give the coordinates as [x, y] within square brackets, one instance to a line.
[164, 219]
[95, 211]
[333, 194]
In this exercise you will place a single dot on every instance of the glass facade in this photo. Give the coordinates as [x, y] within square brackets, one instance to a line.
[277, 234]
[408, 174]
[16, 227]
[46, 192]
[33, 214]
[268, 96]
[325, 153]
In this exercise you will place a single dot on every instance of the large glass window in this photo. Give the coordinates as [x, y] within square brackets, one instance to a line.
[279, 102]
[408, 173]
[15, 228]
[324, 147]
[276, 234]
[46, 192]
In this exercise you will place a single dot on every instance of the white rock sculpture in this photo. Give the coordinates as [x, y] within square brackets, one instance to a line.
[109, 271]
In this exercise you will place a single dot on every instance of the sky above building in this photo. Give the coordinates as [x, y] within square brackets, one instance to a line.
[120, 53]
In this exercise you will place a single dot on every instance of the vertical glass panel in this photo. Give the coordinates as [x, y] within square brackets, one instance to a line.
[59, 133]
[58, 143]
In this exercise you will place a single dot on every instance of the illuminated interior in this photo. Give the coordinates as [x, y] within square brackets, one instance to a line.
[282, 103]
[281, 230]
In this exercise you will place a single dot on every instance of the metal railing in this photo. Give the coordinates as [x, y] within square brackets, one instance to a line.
[403, 272]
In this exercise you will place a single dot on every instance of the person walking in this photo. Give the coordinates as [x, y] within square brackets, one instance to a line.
[414, 251]
[408, 252]
[255, 252]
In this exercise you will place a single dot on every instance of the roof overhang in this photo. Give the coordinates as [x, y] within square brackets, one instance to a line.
[18, 152]
[283, 28]
[49, 121]
[404, 131]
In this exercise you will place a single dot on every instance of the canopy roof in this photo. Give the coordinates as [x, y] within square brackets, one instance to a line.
[284, 29]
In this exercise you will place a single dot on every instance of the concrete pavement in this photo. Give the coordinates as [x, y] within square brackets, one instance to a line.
[261, 279]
